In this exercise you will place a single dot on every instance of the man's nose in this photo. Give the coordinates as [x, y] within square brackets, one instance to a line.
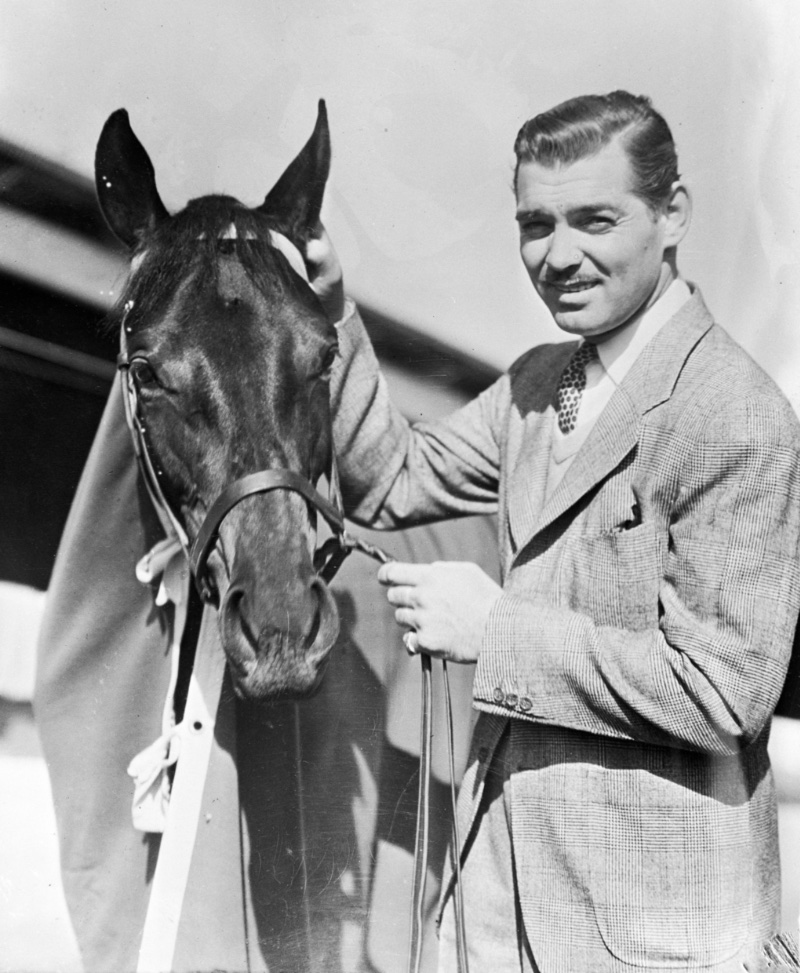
[563, 252]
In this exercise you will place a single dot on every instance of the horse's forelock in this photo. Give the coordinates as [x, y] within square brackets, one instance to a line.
[189, 244]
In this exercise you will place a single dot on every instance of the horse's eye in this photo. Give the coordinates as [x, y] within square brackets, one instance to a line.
[142, 372]
[328, 360]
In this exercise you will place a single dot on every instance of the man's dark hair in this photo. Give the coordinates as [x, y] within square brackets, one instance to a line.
[580, 127]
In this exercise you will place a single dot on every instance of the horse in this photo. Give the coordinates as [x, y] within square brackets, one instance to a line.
[228, 354]
[306, 824]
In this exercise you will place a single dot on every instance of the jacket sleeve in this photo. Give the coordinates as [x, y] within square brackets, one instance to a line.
[706, 674]
[396, 474]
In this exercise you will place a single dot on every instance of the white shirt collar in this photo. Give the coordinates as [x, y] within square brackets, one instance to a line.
[621, 350]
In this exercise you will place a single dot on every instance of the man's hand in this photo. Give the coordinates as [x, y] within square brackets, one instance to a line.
[446, 604]
[325, 275]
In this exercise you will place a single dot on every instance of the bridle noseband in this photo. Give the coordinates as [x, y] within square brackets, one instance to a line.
[247, 486]
[328, 558]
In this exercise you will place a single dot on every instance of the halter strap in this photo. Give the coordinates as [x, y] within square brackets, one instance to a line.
[261, 482]
[327, 559]
[169, 521]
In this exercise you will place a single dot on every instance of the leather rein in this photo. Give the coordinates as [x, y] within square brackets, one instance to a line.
[327, 560]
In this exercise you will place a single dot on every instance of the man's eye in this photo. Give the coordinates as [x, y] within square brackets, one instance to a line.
[597, 224]
[534, 229]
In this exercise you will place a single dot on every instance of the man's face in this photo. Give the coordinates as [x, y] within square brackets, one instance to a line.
[593, 249]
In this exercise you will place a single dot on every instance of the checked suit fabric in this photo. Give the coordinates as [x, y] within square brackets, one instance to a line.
[571, 386]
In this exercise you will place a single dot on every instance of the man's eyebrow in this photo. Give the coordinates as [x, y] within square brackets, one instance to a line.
[528, 214]
[592, 209]
[578, 212]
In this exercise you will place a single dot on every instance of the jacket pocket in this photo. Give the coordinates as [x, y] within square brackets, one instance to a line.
[653, 866]
[677, 889]
[613, 576]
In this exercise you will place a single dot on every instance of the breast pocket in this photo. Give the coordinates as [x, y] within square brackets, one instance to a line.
[613, 576]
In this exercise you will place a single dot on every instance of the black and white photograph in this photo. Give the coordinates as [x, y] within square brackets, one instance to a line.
[399, 486]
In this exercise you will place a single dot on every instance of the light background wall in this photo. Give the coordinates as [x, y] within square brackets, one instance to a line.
[425, 100]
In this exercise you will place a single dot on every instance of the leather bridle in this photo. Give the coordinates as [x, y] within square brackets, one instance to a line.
[327, 560]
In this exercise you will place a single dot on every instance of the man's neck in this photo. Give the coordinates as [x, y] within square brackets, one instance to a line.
[620, 348]
[667, 276]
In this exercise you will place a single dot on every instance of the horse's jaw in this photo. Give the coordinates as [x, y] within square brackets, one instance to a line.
[281, 656]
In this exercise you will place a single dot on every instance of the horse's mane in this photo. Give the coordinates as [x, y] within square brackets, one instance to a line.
[188, 246]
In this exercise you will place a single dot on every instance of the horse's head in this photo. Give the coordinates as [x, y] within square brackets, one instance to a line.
[228, 352]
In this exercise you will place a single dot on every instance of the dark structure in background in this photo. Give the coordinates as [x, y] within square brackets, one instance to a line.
[57, 262]
[55, 364]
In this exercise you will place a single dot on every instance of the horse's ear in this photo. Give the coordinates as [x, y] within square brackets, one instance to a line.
[295, 201]
[126, 182]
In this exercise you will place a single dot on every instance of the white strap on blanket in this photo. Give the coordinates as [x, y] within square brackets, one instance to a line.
[149, 768]
[290, 251]
[174, 811]
[183, 811]
[151, 781]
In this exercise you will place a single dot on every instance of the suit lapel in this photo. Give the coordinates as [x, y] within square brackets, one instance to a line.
[649, 382]
[613, 437]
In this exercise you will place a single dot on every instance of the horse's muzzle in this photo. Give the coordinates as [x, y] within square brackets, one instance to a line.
[278, 642]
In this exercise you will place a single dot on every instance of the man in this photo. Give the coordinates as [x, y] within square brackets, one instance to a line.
[618, 811]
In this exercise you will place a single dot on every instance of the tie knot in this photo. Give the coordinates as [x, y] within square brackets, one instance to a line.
[571, 386]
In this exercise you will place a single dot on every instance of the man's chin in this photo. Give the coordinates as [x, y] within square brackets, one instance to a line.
[577, 323]
[584, 322]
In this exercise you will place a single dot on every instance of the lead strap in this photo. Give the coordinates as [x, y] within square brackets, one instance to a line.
[455, 843]
[423, 821]
[422, 834]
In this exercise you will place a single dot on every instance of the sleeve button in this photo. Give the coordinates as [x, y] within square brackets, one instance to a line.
[511, 700]
[525, 705]
[498, 695]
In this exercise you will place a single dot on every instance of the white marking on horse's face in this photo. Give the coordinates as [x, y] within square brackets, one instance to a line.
[290, 251]
[137, 260]
[277, 240]
[232, 233]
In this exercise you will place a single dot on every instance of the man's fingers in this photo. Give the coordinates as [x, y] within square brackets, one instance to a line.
[406, 617]
[317, 250]
[403, 596]
[401, 573]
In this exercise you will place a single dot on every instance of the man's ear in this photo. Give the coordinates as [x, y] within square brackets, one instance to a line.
[677, 215]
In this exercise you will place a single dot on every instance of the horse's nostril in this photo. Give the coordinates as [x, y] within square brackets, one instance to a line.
[236, 629]
[326, 628]
[232, 604]
[234, 598]
[323, 605]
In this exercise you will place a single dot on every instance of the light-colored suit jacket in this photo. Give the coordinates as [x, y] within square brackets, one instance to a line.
[641, 641]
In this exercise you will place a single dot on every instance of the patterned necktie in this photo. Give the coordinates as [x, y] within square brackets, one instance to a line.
[571, 386]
